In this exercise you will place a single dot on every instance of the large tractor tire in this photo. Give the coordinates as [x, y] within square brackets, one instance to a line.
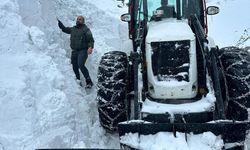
[236, 63]
[111, 89]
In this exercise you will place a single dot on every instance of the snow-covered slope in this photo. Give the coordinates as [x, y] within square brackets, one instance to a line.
[41, 104]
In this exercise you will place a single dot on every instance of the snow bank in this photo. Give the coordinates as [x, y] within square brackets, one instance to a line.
[41, 105]
[167, 141]
[33, 98]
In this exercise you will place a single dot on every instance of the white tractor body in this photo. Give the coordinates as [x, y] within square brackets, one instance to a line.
[171, 60]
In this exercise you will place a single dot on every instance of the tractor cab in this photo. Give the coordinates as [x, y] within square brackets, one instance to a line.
[142, 12]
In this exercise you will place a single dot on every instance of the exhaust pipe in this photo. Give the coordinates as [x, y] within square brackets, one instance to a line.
[178, 4]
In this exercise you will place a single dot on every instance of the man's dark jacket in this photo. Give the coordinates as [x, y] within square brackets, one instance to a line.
[80, 36]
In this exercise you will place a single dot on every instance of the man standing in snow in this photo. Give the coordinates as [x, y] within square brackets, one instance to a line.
[82, 44]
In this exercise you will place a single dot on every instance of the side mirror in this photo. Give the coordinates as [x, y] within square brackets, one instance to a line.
[122, 3]
[126, 17]
[213, 10]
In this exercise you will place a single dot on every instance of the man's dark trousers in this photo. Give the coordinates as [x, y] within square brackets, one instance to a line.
[78, 59]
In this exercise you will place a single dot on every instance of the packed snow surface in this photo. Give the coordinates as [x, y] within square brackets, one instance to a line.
[41, 104]
[167, 141]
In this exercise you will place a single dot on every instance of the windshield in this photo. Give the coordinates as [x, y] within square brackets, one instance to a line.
[169, 7]
[143, 11]
[154, 4]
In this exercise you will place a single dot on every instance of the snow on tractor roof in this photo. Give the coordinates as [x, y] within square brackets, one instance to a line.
[173, 30]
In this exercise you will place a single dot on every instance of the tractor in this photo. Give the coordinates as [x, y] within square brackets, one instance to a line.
[175, 79]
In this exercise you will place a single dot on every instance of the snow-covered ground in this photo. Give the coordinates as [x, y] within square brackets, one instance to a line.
[41, 105]
[167, 141]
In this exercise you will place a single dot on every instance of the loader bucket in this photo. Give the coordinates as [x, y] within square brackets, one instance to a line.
[231, 132]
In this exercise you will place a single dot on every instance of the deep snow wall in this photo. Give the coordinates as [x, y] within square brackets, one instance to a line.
[41, 105]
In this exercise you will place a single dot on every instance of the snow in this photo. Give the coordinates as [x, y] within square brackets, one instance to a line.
[167, 141]
[134, 122]
[202, 105]
[41, 104]
[206, 103]
[173, 30]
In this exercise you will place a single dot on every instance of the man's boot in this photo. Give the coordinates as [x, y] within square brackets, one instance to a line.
[89, 83]
[79, 82]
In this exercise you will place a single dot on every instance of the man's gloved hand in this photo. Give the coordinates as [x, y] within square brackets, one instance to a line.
[90, 50]
[60, 24]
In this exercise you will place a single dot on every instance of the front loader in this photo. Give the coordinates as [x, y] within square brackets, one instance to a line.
[175, 79]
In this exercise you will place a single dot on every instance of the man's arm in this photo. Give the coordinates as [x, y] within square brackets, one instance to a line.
[64, 29]
[90, 39]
